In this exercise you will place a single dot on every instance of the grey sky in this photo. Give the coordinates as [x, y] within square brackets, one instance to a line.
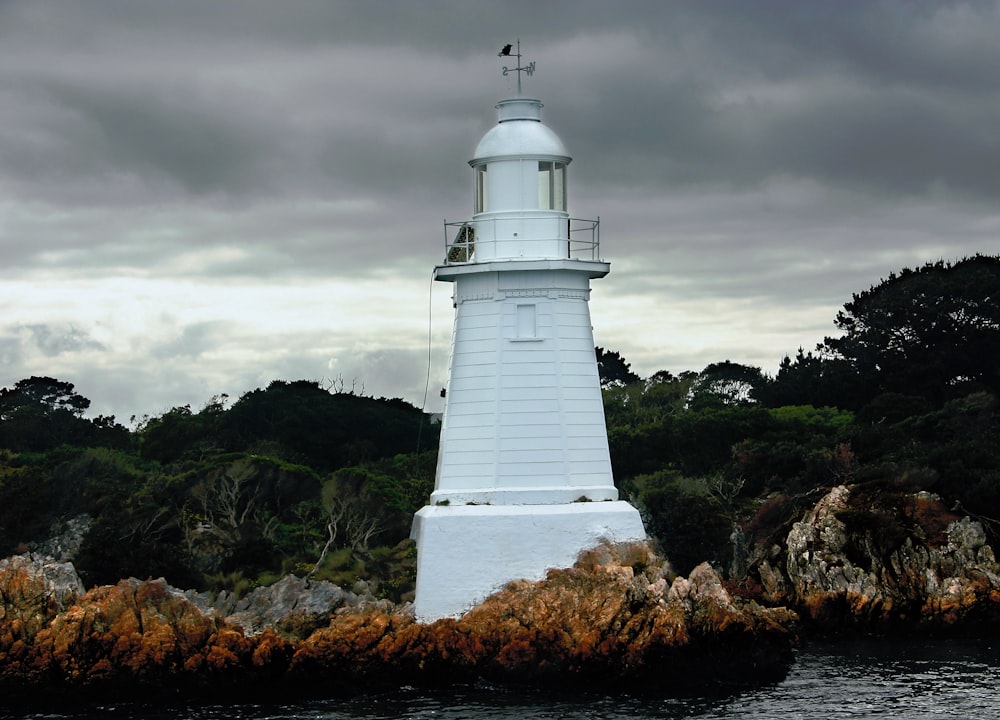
[200, 197]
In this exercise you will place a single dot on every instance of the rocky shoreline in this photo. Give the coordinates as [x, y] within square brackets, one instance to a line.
[907, 564]
[612, 621]
[618, 620]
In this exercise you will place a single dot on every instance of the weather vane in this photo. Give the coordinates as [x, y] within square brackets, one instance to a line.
[528, 69]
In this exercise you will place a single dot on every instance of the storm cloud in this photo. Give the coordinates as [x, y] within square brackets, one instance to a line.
[198, 198]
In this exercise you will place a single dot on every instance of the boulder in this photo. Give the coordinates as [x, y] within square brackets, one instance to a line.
[873, 568]
[65, 540]
[34, 589]
[962, 578]
[293, 606]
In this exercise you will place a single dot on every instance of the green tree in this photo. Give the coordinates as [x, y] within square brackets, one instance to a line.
[801, 448]
[305, 423]
[613, 370]
[932, 332]
[813, 379]
[47, 394]
[690, 526]
[726, 383]
[702, 440]
[179, 432]
[40, 413]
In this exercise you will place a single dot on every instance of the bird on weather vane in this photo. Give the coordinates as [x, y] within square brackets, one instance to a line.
[528, 69]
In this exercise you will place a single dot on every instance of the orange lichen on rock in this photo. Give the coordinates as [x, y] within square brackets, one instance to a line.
[136, 634]
[599, 622]
[612, 620]
[850, 564]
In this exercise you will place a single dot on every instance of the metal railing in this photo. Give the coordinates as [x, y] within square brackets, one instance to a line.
[581, 241]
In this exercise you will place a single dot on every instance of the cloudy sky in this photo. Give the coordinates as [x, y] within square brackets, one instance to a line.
[198, 197]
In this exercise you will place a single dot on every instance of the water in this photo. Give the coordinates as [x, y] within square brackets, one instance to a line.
[926, 680]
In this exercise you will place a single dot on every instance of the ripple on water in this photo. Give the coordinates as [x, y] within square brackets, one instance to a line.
[926, 680]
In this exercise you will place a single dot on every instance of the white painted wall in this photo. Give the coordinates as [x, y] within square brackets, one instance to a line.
[524, 417]
[467, 552]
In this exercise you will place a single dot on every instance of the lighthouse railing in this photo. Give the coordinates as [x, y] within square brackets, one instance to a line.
[584, 238]
[581, 241]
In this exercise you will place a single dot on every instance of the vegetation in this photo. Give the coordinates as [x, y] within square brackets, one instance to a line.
[291, 478]
[321, 482]
[904, 400]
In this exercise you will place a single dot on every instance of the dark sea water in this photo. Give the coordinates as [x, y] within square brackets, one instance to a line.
[920, 680]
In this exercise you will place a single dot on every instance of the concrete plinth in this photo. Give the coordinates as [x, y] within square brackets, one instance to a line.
[467, 552]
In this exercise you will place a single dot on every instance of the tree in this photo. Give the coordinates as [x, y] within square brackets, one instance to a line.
[812, 379]
[39, 413]
[348, 522]
[613, 370]
[932, 332]
[45, 394]
[230, 499]
[306, 423]
[689, 525]
[726, 383]
[168, 437]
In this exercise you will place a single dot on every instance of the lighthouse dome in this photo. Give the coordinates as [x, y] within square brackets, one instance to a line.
[520, 132]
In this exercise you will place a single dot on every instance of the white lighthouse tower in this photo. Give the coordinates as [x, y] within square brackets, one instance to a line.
[524, 478]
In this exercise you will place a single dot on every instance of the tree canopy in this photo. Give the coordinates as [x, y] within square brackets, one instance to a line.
[933, 331]
[727, 383]
[298, 421]
[39, 413]
[612, 369]
[43, 394]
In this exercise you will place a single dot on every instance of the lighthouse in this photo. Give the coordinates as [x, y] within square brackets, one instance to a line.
[523, 481]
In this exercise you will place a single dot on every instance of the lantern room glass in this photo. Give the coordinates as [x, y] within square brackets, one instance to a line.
[551, 185]
[482, 189]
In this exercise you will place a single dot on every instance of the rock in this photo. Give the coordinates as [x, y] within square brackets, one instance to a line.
[136, 636]
[66, 539]
[33, 591]
[610, 622]
[774, 587]
[962, 579]
[883, 573]
[825, 583]
[293, 606]
[601, 624]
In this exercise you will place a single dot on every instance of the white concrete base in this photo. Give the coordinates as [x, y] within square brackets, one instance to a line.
[467, 552]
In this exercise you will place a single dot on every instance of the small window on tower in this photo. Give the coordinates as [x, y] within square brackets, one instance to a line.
[551, 185]
[482, 189]
[526, 321]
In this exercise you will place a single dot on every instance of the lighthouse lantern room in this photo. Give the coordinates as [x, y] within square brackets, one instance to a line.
[524, 480]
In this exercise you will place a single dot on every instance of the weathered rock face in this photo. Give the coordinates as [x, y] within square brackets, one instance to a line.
[612, 620]
[293, 607]
[124, 637]
[599, 624]
[64, 544]
[33, 590]
[874, 570]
